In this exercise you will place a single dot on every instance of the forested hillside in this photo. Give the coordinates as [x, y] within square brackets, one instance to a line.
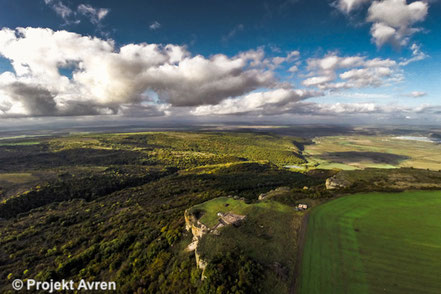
[111, 207]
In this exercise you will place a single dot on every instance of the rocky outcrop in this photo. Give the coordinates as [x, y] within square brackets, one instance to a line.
[335, 182]
[202, 264]
[198, 230]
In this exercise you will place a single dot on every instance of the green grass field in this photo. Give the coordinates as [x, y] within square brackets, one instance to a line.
[374, 243]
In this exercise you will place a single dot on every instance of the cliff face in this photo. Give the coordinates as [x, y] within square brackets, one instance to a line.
[202, 264]
[192, 224]
[336, 183]
[198, 230]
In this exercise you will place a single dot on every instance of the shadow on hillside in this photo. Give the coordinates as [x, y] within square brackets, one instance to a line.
[371, 157]
[37, 157]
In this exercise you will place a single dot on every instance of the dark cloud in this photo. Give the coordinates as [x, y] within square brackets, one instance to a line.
[35, 100]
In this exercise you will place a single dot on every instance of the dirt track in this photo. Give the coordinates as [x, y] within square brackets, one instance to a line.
[300, 243]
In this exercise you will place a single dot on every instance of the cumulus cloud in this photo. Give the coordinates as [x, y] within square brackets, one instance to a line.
[302, 108]
[318, 81]
[393, 20]
[359, 108]
[140, 80]
[33, 99]
[347, 108]
[333, 72]
[264, 102]
[27, 99]
[107, 77]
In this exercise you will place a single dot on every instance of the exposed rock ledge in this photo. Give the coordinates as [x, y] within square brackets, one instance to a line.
[336, 183]
[198, 230]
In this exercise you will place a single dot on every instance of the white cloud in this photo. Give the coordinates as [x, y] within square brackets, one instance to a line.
[393, 20]
[347, 6]
[265, 102]
[153, 80]
[62, 10]
[417, 55]
[293, 69]
[365, 108]
[276, 61]
[95, 15]
[233, 32]
[315, 81]
[70, 16]
[155, 26]
[348, 108]
[106, 77]
[416, 94]
[293, 55]
[358, 95]
[333, 72]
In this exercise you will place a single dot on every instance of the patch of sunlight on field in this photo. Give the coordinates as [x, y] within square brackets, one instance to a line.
[17, 178]
[20, 143]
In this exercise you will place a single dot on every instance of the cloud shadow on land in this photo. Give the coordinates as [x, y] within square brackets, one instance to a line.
[371, 157]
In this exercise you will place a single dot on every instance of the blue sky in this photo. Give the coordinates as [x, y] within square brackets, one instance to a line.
[408, 86]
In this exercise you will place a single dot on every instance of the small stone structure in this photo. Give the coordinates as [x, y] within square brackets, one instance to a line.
[301, 207]
[230, 218]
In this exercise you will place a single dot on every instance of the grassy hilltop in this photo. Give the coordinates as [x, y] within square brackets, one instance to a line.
[268, 236]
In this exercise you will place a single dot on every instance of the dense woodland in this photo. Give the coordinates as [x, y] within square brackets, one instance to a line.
[110, 207]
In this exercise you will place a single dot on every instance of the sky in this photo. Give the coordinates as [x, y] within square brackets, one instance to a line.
[292, 61]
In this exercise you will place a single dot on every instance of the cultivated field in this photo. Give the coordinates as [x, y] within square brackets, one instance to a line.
[354, 152]
[374, 243]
